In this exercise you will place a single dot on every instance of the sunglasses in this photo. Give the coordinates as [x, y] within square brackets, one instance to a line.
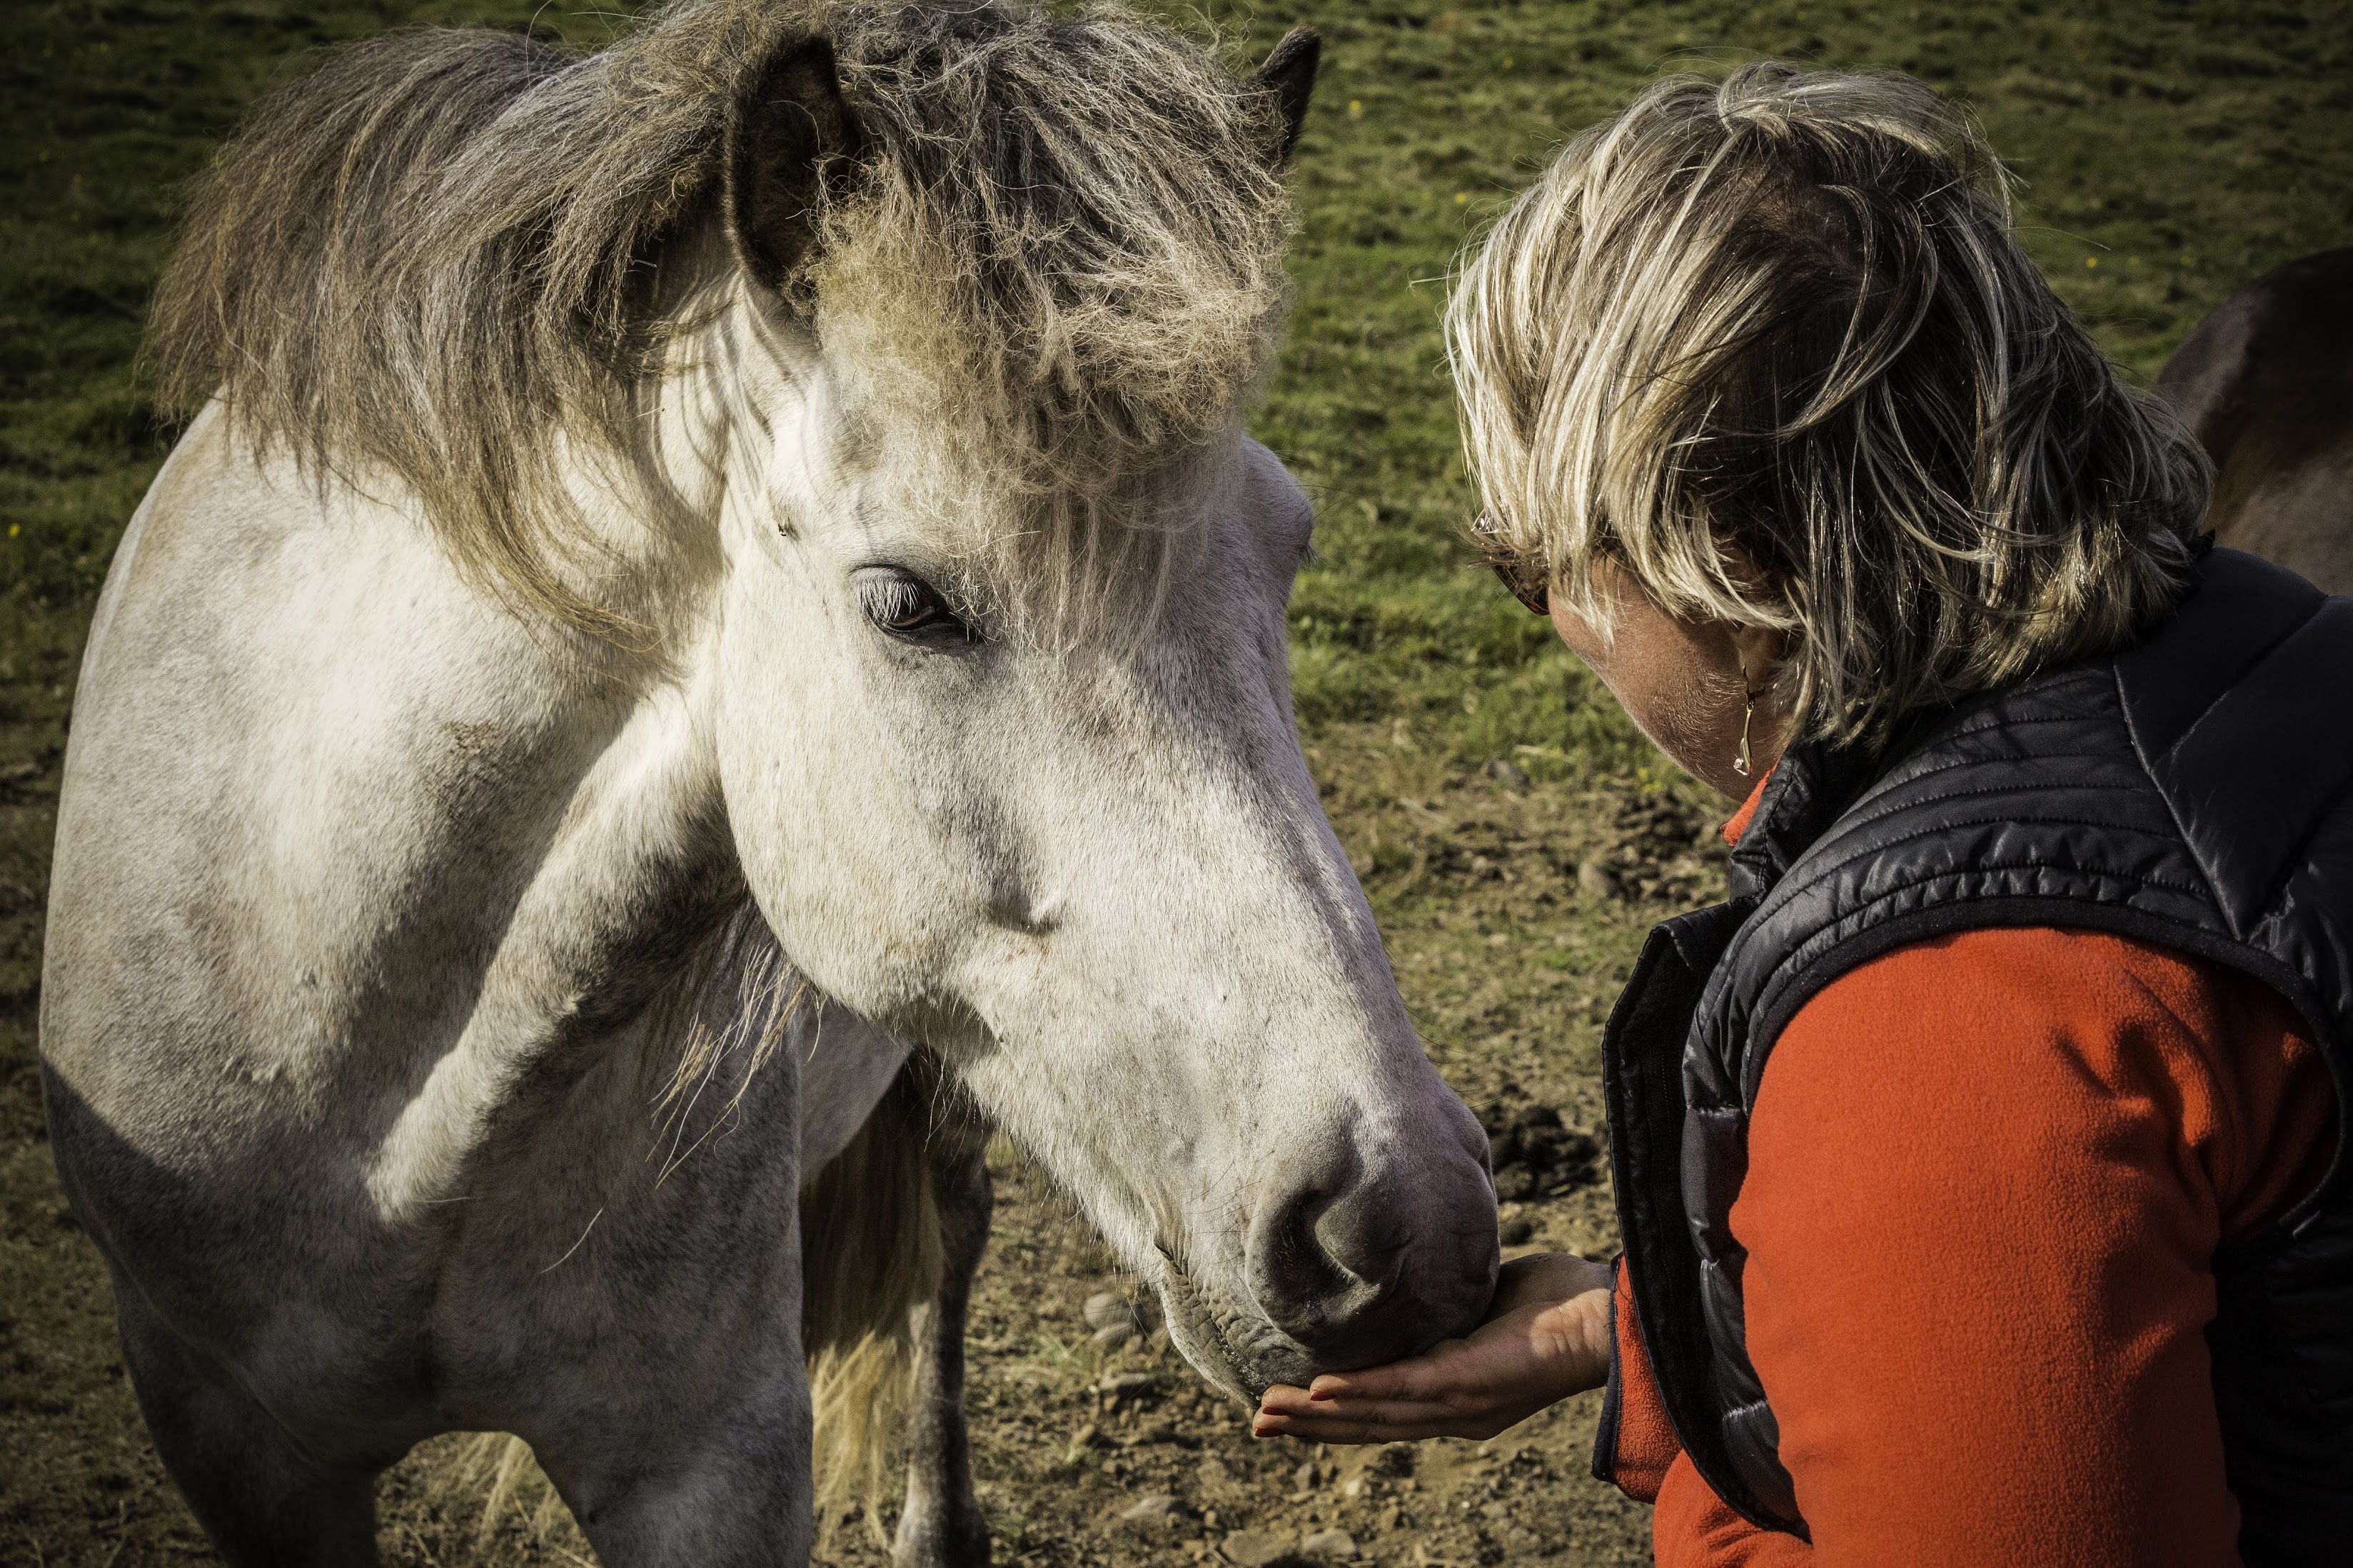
[1526, 579]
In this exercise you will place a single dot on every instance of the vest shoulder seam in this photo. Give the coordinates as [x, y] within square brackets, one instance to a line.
[2149, 771]
[2269, 651]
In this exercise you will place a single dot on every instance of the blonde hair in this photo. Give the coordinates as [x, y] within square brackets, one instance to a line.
[1770, 348]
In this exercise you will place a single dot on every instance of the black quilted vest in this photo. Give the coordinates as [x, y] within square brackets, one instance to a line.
[2195, 792]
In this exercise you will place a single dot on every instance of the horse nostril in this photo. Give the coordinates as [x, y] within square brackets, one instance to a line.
[1360, 1267]
[1300, 1283]
[1363, 1236]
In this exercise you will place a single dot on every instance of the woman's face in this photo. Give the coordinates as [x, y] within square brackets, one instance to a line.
[1685, 683]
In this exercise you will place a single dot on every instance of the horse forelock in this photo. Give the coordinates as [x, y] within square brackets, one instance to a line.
[436, 255]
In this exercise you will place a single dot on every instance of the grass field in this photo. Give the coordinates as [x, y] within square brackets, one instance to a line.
[1515, 836]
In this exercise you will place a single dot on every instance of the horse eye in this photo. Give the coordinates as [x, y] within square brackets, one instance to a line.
[902, 603]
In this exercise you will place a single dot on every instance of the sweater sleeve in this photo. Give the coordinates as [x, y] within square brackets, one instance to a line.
[1988, 1175]
[1637, 1442]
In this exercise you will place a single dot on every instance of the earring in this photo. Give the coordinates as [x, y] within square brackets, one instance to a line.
[1742, 761]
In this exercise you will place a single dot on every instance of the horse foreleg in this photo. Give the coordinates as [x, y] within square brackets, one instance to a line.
[266, 1498]
[941, 1526]
[663, 1475]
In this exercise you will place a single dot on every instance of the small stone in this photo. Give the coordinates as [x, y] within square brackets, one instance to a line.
[1329, 1543]
[1090, 1437]
[1212, 1472]
[1158, 1511]
[1256, 1548]
[1305, 1477]
[1126, 1384]
[1354, 1488]
[1594, 879]
[1516, 1232]
[1111, 1336]
[1511, 775]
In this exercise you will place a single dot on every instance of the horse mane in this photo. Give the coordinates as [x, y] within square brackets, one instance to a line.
[439, 253]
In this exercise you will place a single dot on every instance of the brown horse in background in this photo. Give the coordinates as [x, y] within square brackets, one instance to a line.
[2267, 384]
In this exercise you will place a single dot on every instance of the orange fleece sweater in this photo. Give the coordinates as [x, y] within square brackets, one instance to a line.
[1988, 1176]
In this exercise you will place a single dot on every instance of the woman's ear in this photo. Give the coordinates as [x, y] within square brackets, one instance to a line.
[791, 136]
[1761, 650]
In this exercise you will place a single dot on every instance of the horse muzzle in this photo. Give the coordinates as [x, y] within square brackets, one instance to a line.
[1355, 1263]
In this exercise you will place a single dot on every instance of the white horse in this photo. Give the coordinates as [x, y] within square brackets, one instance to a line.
[703, 565]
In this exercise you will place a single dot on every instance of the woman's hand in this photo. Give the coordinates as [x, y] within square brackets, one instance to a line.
[1547, 1337]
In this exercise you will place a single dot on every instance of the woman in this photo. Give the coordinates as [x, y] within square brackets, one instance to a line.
[1977, 1163]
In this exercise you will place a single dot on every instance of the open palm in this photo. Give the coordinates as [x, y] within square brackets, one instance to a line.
[1548, 1335]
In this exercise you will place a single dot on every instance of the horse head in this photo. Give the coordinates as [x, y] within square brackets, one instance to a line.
[1004, 717]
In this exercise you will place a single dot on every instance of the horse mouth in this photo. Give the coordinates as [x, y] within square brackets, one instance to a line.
[1240, 1353]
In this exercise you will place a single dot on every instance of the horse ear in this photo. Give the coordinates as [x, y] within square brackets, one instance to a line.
[790, 137]
[1289, 73]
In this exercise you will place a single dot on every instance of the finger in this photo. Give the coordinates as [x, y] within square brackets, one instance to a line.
[1344, 1430]
[1397, 1413]
[1418, 1377]
[1284, 1397]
